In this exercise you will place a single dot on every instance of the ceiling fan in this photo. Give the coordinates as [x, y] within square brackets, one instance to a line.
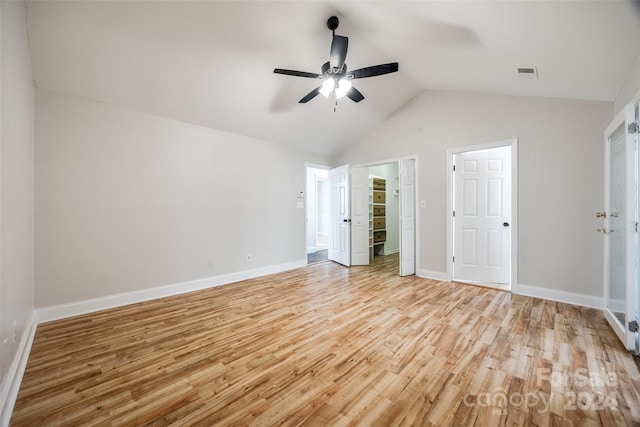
[335, 76]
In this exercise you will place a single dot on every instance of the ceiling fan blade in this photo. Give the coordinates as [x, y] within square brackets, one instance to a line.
[338, 51]
[354, 94]
[296, 73]
[308, 97]
[376, 70]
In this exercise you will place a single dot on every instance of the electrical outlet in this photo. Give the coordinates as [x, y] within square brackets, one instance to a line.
[249, 257]
[210, 264]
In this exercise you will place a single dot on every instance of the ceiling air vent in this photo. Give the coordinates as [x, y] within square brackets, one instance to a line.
[528, 73]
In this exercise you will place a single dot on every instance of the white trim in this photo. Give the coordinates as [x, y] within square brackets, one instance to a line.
[513, 143]
[11, 386]
[591, 301]
[433, 275]
[617, 305]
[47, 314]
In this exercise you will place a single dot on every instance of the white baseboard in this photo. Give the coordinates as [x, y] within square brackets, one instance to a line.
[77, 308]
[575, 298]
[584, 300]
[11, 386]
[391, 251]
[431, 274]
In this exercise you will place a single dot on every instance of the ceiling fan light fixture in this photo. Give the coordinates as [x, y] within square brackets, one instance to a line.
[343, 87]
[334, 75]
[344, 84]
[327, 86]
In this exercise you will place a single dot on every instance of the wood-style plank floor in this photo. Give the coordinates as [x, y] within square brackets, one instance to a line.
[329, 346]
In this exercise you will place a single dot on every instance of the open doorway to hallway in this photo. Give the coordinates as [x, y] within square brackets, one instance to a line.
[371, 213]
[317, 213]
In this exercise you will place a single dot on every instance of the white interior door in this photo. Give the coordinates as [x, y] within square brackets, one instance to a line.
[340, 227]
[359, 216]
[482, 210]
[620, 226]
[407, 217]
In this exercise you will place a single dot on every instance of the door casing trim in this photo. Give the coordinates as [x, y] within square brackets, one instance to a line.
[513, 143]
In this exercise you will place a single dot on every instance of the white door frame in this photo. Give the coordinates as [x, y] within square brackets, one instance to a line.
[513, 143]
[628, 339]
[416, 193]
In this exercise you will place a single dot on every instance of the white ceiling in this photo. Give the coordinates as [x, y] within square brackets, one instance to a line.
[211, 63]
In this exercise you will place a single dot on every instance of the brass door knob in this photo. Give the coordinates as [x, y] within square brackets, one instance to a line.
[601, 214]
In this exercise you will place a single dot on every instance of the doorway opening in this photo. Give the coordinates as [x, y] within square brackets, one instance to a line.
[482, 215]
[373, 213]
[317, 213]
[384, 207]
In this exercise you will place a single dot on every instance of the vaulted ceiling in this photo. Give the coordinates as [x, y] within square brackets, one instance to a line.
[211, 63]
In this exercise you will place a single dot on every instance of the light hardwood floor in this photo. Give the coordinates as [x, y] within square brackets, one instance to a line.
[326, 345]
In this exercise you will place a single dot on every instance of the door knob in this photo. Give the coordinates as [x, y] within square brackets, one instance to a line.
[505, 224]
[601, 214]
[605, 231]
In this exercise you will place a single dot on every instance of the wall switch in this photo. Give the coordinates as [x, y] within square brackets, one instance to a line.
[249, 257]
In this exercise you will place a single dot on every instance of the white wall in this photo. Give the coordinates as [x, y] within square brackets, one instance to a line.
[389, 172]
[630, 87]
[560, 172]
[128, 201]
[16, 187]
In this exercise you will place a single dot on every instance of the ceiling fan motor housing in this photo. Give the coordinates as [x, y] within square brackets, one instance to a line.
[333, 23]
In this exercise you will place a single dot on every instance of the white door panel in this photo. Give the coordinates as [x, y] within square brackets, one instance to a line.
[359, 216]
[407, 217]
[482, 205]
[340, 234]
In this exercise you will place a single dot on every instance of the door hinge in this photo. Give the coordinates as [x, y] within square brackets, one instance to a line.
[633, 326]
[454, 213]
[454, 259]
[636, 227]
[454, 168]
[634, 127]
